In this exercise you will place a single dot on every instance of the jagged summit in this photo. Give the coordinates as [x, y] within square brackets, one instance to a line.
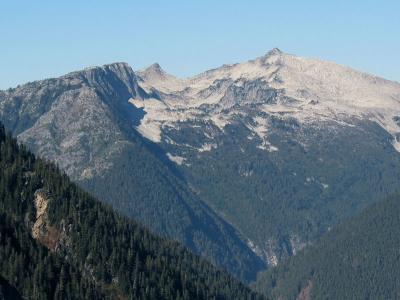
[152, 72]
[94, 74]
[114, 64]
[110, 66]
[274, 51]
[155, 77]
[101, 76]
[154, 68]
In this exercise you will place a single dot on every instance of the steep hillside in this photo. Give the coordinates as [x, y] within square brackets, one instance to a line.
[357, 260]
[58, 242]
[83, 122]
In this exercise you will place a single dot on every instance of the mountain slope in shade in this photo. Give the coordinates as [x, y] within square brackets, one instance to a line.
[357, 260]
[83, 122]
[7, 291]
[58, 242]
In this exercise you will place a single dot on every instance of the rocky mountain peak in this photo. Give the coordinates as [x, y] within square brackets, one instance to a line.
[154, 77]
[115, 76]
[156, 68]
[120, 68]
[274, 51]
[152, 72]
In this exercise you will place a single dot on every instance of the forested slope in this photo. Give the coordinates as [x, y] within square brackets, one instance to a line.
[58, 242]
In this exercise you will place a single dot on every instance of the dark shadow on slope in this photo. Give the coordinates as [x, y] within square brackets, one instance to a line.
[7, 291]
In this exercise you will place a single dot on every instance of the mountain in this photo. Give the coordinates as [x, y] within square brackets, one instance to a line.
[58, 242]
[283, 147]
[84, 123]
[246, 164]
[359, 259]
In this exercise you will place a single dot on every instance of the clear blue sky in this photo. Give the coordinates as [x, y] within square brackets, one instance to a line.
[41, 39]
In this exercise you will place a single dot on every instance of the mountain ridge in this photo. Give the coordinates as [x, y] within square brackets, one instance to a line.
[276, 70]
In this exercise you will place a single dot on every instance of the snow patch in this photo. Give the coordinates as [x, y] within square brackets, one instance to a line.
[177, 159]
[219, 121]
[261, 127]
[273, 148]
[207, 147]
[396, 144]
[268, 147]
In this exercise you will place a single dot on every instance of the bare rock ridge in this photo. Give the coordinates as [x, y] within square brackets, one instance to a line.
[42, 230]
[274, 51]
[41, 207]
[80, 107]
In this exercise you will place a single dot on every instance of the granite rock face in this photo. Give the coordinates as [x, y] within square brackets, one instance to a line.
[72, 120]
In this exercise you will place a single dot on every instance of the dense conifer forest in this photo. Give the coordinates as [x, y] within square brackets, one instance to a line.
[58, 242]
[359, 259]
